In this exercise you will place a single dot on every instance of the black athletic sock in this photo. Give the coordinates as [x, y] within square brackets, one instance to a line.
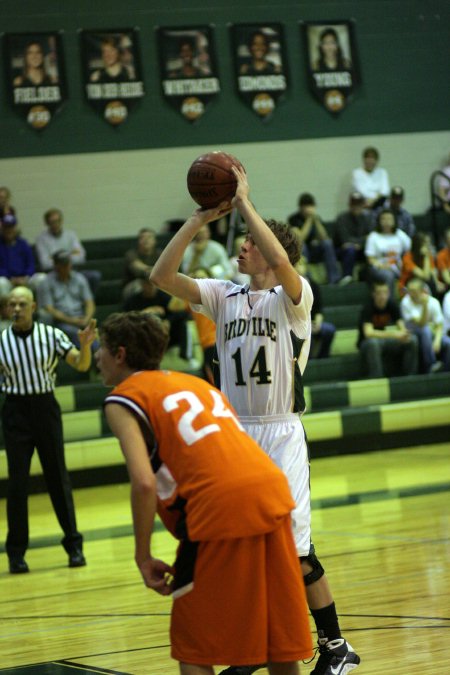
[327, 622]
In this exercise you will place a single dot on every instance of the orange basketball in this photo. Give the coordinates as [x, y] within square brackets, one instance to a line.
[210, 179]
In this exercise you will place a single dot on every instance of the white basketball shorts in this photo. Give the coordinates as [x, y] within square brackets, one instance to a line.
[282, 437]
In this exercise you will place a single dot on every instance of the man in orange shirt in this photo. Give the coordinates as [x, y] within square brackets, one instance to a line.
[188, 456]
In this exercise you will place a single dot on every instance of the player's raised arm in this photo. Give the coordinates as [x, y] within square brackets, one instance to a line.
[165, 272]
[267, 243]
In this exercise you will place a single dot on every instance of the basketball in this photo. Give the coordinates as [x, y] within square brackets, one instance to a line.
[210, 179]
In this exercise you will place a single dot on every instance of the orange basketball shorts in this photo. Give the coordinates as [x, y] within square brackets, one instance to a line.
[247, 603]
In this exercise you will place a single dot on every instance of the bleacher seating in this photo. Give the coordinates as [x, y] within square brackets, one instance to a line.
[351, 416]
[346, 412]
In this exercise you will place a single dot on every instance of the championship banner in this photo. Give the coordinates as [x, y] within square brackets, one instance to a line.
[35, 75]
[332, 62]
[188, 69]
[260, 65]
[112, 72]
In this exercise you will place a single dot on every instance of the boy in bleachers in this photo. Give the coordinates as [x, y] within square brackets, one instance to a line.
[384, 341]
[310, 230]
[350, 232]
[322, 332]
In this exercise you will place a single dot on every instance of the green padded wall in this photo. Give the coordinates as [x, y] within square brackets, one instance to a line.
[403, 53]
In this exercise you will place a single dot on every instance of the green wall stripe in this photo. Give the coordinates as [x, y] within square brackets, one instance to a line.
[323, 425]
[90, 395]
[415, 414]
[329, 397]
[66, 398]
[369, 392]
[419, 386]
[363, 421]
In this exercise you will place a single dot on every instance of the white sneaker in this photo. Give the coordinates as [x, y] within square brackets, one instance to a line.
[346, 280]
[336, 657]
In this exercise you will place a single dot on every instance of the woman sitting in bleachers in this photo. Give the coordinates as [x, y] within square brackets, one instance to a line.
[419, 263]
[384, 249]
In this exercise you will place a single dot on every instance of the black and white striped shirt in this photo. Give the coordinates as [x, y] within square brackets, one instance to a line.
[28, 361]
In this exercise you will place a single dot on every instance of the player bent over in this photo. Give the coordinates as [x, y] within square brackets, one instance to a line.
[237, 594]
[263, 332]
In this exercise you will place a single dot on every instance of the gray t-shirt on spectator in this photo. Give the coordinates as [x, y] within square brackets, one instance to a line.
[47, 244]
[68, 296]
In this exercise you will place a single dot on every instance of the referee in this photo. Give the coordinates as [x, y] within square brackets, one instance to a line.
[31, 418]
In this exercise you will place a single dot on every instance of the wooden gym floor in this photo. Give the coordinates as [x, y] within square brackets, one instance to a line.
[381, 527]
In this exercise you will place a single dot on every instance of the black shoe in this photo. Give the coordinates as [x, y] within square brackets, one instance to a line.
[18, 565]
[241, 670]
[76, 558]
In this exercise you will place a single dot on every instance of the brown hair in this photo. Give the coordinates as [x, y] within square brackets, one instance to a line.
[417, 241]
[371, 152]
[287, 239]
[143, 335]
[48, 214]
[379, 217]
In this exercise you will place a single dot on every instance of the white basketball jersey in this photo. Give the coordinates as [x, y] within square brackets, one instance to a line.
[263, 343]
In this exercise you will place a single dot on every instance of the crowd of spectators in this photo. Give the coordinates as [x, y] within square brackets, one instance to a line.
[406, 322]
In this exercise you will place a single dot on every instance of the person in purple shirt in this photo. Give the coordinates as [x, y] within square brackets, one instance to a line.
[17, 266]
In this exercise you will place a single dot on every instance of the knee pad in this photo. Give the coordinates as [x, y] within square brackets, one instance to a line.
[317, 570]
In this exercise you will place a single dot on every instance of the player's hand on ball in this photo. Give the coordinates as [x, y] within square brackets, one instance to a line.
[209, 215]
[157, 575]
[243, 188]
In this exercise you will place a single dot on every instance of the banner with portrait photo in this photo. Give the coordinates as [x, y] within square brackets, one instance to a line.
[35, 75]
[332, 62]
[260, 65]
[188, 69]
[112, 72]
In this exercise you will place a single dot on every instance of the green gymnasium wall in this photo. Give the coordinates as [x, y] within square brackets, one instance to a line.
[403, 52]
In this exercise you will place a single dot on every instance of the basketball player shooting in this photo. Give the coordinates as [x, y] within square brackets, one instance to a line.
[263, 340]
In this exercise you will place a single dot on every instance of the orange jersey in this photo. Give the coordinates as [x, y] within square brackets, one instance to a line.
[443, 259]
[230, 487]
[206, 330]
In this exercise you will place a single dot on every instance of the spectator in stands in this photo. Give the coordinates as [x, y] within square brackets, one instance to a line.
[384, 249]
[5, 203]
[444, 187]
[65, 298]
[423, 316]
[17, 267]
[350, 232]
[316, 242]
[206, 331]
[383, 340]
[419, 263]
[56, 238]
[403, 217]
[446, 313]
[322, 332]
[171, 310]
[5, 315]
[443, 261]
[207, 253]
[371, 180]
[139, 261]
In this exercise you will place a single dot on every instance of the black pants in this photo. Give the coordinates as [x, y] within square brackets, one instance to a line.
[31, 422]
